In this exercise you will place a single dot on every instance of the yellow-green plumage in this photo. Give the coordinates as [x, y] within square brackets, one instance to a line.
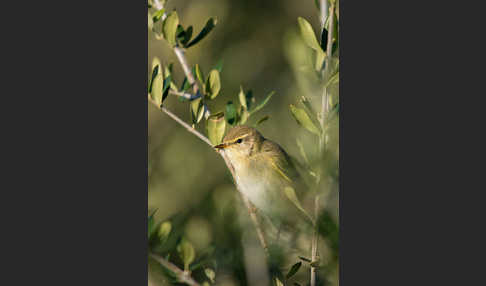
[264, 172]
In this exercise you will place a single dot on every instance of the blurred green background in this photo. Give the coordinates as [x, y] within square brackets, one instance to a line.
[188, 182]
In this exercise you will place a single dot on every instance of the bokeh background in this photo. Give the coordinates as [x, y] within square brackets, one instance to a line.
[188, 182]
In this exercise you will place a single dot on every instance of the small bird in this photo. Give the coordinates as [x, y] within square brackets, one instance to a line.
[265, 173]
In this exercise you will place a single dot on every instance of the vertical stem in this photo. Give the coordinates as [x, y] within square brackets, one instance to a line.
[323, 136]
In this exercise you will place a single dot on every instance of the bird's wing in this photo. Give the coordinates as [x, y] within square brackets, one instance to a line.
[283, 165]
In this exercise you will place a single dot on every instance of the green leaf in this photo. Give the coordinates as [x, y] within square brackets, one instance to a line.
[242, 98]
[183, 36]
[293, 270]
[185, 85]
[157, 89]
[210, 24]
[186, 253]
[308, 106]
[334, 79]
[216, 126]
[151, 224]
[164, 231]
[210, 274]
[155, 71]
[213, 84]
[303, 119]
[219, 66]
[196, 107]
[250, 100]
[150, 22]
[169, 28]
[278, 282]
[165, 89]
[158, 15]
[308, 34]
[199, 75]
[263, 103]
[230, 114]
[243, 115]
[302, 151]
[305, 259]
[320, 57]
[263, 119]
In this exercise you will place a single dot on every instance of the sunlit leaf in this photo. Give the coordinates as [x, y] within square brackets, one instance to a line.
[303, 119]
[165, 88]
[186, 253]
[278, 282]
[333, 80]
[308, 34]
[213, 84]
[150, 23]
[158, 15]
[210, 274]
[183, 36]
[216, 126]
[196, 107]
[199, 75]
[157, 89]
[169, 28]
[263, 103]
[164, 231]
[243, 115]
[242, 98]
[230, 114]
[293, 270]
[302, 151]
[210, 24]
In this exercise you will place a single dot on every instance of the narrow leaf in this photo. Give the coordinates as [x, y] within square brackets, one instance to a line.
[150, 22]
[157, 87]
[242, 98]
[303, 119]
[308, 34]
[164, 231]
[169, 28]
[243, 115]
[210, 24]
[230, 113]
[210, 274]
[302, 151]
[158, 15]
[196, 106]
[293, 270]
[334, 79]
[263, 103]
[216, 126]
[219, 66]
[213, 84]
[199, 75]
[263, 119]
[250, 99]
[186, 253]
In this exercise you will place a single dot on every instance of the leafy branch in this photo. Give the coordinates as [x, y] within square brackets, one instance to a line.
[164, 86]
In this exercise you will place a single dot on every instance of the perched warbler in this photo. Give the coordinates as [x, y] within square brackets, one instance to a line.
[265, 173]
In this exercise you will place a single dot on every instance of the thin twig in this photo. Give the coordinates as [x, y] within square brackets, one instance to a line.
[184, 94]
[182, 276]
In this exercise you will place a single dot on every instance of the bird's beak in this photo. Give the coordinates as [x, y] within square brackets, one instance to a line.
[221, 146]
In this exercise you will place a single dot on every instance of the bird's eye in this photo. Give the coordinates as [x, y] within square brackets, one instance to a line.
[239, 141]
